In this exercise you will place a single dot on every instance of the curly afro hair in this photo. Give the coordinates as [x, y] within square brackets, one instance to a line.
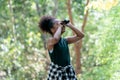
[46, 23]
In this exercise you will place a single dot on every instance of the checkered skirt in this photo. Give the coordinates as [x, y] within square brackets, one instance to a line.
[61, 73]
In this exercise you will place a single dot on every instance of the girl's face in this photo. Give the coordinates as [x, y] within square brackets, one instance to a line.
[57, 23]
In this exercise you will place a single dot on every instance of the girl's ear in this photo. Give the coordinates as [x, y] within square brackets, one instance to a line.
[55, 24]
[52, 29]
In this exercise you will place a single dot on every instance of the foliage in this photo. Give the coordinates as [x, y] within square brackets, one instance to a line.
[103, 49]
[22, 55]
[20, 52]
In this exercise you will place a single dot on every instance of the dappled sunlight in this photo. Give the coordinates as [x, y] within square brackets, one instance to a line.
[103, 4]
[23, 53]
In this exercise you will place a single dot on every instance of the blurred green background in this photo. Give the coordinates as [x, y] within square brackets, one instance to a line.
[22, 52]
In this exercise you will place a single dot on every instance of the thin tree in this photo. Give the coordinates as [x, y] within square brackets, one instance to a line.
[77, 45]
[12, 19]
[43, 35]
[55, 9]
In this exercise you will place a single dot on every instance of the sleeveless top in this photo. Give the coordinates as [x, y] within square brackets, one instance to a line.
[60, 54]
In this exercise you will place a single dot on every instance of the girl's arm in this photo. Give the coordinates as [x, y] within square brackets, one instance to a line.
[79, 35]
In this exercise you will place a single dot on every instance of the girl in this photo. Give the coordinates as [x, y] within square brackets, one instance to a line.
[60, 67]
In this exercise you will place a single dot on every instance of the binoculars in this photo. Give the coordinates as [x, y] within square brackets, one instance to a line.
[64, 22]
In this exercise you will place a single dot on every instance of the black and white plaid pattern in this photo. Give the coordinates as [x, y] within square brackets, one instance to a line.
[61, 73]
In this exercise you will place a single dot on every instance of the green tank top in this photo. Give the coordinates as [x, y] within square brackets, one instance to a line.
[60, 54]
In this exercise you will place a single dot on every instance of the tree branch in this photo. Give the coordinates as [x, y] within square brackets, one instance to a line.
[69, 11]
[55, 7]
[85, 17]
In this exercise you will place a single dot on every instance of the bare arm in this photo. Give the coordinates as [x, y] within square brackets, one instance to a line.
[53, 40]
[79, 35]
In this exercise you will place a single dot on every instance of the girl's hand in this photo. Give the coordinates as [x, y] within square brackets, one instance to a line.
[58, 24]
[69, 24]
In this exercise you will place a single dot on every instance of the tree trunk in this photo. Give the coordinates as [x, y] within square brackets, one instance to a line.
[12, 19]
[85, 16]
[54, 12]
[78, 45]
[43, 35]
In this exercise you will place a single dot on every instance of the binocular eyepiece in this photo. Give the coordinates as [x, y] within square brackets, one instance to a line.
[64, 22]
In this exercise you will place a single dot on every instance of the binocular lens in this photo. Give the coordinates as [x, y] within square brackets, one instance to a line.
[65, 22]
